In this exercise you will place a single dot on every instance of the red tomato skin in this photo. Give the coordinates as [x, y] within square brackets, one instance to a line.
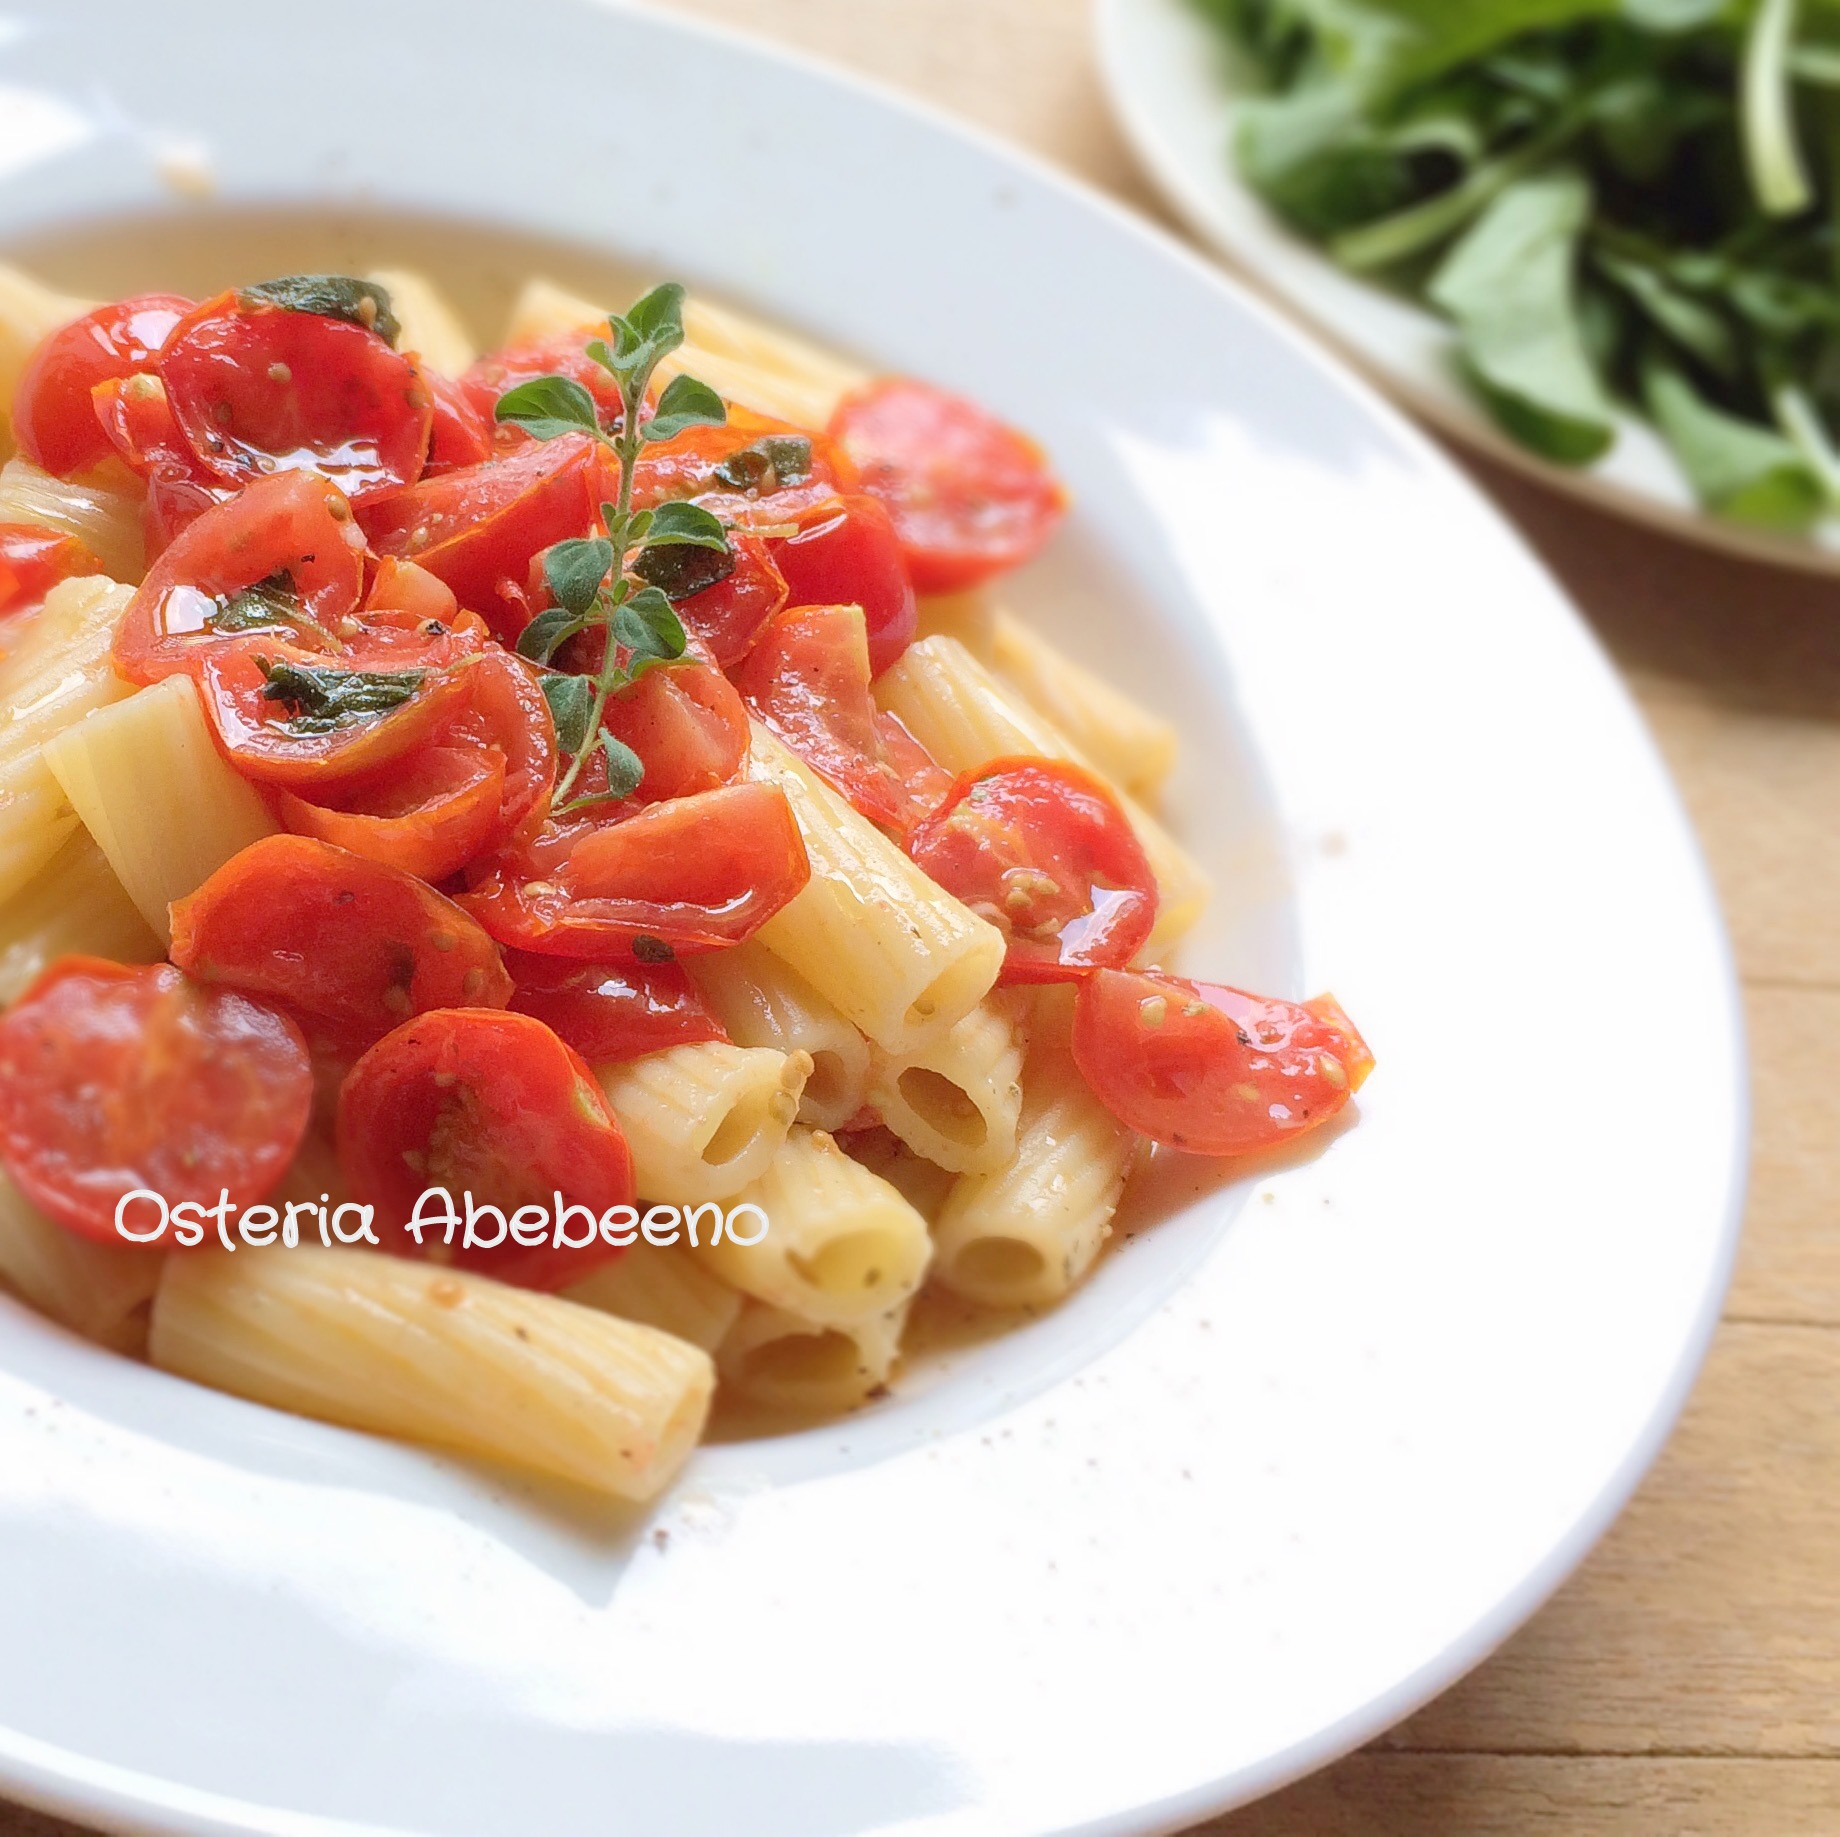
[34, 559]
[480, 528]
[610, 1013]
[1209, 1069]
[925, 783]
[136, 420]
[115, 1078]
[258, 388]
[54, 425]
[289, 522]
[688, 726]
[461, 436]
[562, 354]
[351, 946]
[495, 1105]
[694, 874]
[969, 496]
[685, 467]
[727, 618]
[847, 553]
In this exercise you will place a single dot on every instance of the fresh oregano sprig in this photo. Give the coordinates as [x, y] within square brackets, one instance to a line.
[594, 580]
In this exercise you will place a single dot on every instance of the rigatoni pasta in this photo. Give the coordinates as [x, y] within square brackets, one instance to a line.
[799, 1367]
[73, 906]
[955, 1103]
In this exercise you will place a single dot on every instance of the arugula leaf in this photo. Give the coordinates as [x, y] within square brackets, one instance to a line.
[625, 769]
[548, 406]
[1737, 469]
[685, 403]
[1511, 287]
[321, 701]
[576, 570]
[333, 296]
[270, 604]
[773, 461]
[571, 707]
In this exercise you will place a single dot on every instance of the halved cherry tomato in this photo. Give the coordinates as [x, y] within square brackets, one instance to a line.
[480, 528]
[808, 680]
[490, 1105]
[351, 946]
[1213, 1070]
[925, 783]
[290, 525]
[968, 495]
[53, 421]
[1040, 849]
[846, 553]
[258, 388]
[34, 559]
[610, 1013]
[137, 421]
[429, 814]
[727, 617]
[561, 354]
[507, 716]
[115, 1078]
[461, 435]
[752, 470]
[697, 873]
[688, 726]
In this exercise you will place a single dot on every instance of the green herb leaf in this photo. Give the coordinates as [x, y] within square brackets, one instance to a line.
[571, 703]
[678, 521]
[773, 461]
[1511, 287]
[575, 571]
[319, 701]
[269, 605]
[548, 406]
[548, 632]
[685, 403]
[625, 769]
[648, 627]
[682, 569]
[658, 318]
[333, 296]
[1735, 467]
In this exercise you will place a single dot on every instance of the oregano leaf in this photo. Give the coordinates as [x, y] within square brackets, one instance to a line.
[548, 406]
[685, 403]
[658, 318]
[679, 521]
[547, 633]
[332, 296]
[625, 769]
[575, 571]
[571, 702]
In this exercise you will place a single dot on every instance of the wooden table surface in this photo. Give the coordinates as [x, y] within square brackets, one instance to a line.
[1687, 1682]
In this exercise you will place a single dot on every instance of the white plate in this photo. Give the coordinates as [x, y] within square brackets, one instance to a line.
[1163, 67]
[1303, 1452]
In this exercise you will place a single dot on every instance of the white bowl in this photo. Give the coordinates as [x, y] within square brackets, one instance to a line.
[1306, 1447]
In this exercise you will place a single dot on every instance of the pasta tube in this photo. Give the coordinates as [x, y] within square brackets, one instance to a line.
[1025, 1234]
[664, 1287]
[704, 1120]
[106, 522]
[838, 1246]
[152, 788]
[56, 673]
[922, 1183]
[965, 717]
[29, 310]
[98, 1290]
[430, 326]
[764, 1002]
[894, 953]
[787, 1364]
[956, 1102]
[409, 1349]
[74, 906]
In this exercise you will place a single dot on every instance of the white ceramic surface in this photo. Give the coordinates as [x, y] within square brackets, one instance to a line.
[1301, 1453]
[1168, 83]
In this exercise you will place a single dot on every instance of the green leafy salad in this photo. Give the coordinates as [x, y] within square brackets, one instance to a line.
[1611, 201]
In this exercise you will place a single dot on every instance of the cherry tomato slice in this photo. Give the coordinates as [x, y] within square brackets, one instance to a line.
[808, 680]
[488, 1104]
[461, 435]
[115, 1078]
[969, 496]
[54, 424]
[480, 528]
[351, 946]
[292, 525]
[562, 354]
[258, 388]
[1213, 1070]
[508, 717]
[925, 783]
[726, 618]
[429, 814]
[846, 553]
[610, 1013]
[697, 873]
[34, 559]
[136, 420]
[1040, 849]
[752, 470]
[688, 726]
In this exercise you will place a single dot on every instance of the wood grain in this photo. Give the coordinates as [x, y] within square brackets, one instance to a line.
[1687, 1682]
